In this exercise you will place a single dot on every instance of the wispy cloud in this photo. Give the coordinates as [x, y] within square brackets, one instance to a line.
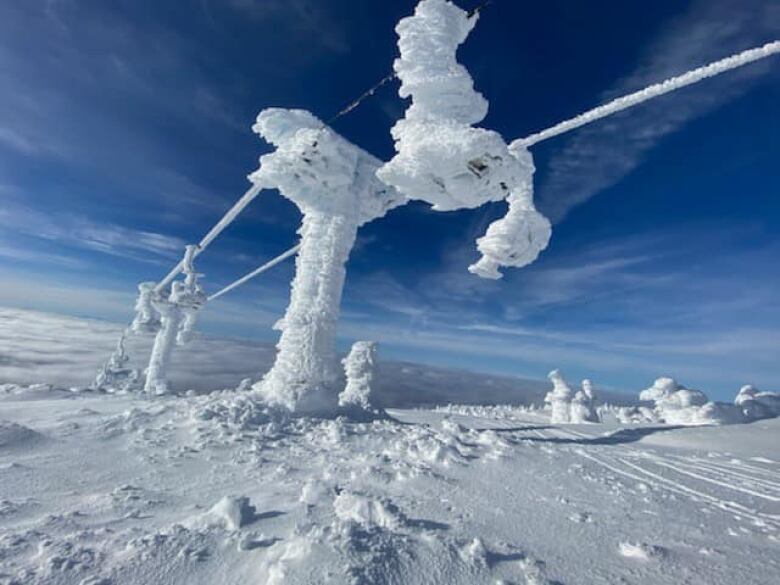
[600, 155]
[80, 232]
[302, 18]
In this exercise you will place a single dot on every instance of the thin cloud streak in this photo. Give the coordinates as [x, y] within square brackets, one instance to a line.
[600, 156]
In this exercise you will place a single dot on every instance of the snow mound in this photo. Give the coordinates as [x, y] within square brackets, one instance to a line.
[640, 551]
[231, 512]
[474, 553]
[367, 512]
[233, 412]
[15, 436]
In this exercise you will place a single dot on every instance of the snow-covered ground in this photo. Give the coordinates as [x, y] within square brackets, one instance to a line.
[213, 488]
[117, 489]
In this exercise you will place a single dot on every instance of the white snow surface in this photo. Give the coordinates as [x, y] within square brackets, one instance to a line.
[99, 488]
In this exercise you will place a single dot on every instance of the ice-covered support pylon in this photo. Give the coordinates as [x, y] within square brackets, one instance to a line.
[559, 398]
[334, 184]
[442, 159]
[189, 298]
[177, 312]
[115, 376]
[164, 342]
[359, 366]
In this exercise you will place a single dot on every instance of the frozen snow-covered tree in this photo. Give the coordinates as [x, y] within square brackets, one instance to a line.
[559, 398]
[359, 366]
[583, 405]
[756, 405]
[333, 183]
[441, 157]
[661, 388]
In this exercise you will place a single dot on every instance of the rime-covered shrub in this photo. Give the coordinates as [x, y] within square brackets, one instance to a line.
[559, 398]
[359, 366]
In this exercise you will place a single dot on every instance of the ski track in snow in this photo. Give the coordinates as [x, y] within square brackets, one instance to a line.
[689, 476]
[646, 467]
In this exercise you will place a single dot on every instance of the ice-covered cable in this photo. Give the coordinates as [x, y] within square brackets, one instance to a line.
[218, 228]
[655, 90]
[256, 272]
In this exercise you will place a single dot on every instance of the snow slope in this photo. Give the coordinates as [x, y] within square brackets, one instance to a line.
[115, 489]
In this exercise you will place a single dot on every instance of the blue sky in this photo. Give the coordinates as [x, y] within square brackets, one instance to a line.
[125, 133]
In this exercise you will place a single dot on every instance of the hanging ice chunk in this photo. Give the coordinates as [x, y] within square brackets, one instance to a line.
[359, 369]
[442, 158]
[334, 184]
[517, 238]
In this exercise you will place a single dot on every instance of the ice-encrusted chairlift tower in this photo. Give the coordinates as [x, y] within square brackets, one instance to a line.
[334, 184]
[442, 158]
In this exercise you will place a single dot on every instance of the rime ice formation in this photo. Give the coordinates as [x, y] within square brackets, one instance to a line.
[676, 404]
[177, 313]
[114, 376]
[661, 388]
[441, 158]
[518, 238]
[189, 297]
[164, 342]
[653, 91]
[756, 405]
[334, 185]
[559, 398]
[147, 319]
[359, 369]
[583, 405]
